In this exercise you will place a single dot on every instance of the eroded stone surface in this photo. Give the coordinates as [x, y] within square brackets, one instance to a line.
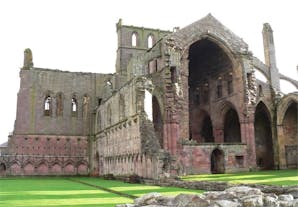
[252, 198]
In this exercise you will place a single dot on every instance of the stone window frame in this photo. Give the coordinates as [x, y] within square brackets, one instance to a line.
[48, 105]
[150, 40]
[134, 39]
[74, 105]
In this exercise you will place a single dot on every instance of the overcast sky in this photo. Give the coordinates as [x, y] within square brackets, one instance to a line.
[81, 35]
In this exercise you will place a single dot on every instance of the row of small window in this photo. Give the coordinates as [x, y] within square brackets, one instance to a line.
[203, 94]
[59, 105]
[136, 42]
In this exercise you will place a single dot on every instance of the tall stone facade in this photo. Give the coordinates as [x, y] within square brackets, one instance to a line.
[180, 102]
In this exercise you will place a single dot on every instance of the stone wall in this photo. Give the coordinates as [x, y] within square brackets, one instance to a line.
[120, 146]
[199, 158]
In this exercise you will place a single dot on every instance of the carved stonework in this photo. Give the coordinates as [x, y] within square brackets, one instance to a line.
[251, 91]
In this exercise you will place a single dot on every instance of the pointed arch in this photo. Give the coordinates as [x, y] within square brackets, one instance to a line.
[48, 105]
[134, 39]
[217, 161]
[263, 137]
[232, 133]
[150, 40]
[289, 135]
[74, 105]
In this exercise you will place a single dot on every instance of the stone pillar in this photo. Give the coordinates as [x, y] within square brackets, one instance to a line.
[281, 147]
[248, 137]
[270, 59]
[171, 135]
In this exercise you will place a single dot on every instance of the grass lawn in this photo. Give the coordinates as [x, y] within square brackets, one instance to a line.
[53, 192]
[135, 189]
[275, 177]
[58, 192]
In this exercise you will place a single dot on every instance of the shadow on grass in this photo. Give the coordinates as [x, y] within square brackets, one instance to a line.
[277, 177]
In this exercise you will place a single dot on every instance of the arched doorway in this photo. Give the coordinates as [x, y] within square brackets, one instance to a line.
[232, 132]
[290, 130]
[157, 120]
[2, 169]
[217, 162]
[263, 138]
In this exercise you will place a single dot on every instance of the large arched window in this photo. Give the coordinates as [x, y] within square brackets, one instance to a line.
[150, 41]
[48, 105]
[134, 39]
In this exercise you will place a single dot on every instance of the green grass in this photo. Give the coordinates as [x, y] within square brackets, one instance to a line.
[62, 192]
[56, 192]
[136, 189]
[276, 177]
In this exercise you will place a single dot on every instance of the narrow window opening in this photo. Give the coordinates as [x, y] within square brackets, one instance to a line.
[134, 40]
[173, 74]
[261, 90]
[47, 106]
[150, 41]
[74, 107]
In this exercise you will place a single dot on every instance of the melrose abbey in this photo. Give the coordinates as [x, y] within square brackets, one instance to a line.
[185, 101]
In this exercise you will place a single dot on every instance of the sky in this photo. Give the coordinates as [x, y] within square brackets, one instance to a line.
[80, 35]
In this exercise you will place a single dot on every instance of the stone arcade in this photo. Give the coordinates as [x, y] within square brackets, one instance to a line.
[180, 102]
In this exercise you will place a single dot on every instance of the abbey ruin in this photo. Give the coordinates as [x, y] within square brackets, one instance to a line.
[180, 102]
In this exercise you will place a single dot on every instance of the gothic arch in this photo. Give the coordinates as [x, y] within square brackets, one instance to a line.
[29, 168]
[232, 131]
[158, 94]
[214, 39]
[283, 105]
[263, 137]
[217, 161]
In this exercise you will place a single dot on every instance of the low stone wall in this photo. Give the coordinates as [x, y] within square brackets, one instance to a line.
[241, 196]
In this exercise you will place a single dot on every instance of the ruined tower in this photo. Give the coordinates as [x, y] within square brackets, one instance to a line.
[269, 53]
